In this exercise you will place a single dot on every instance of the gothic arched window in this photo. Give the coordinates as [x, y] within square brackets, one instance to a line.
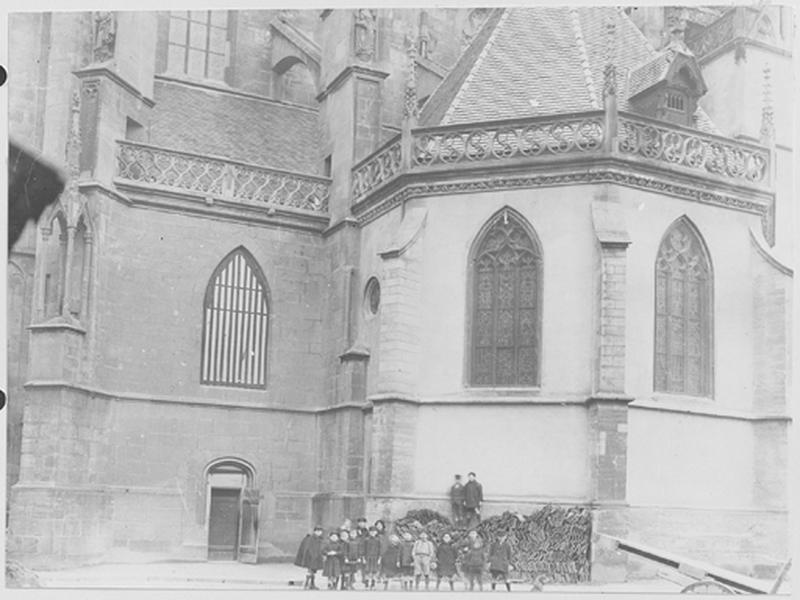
[506, 304]
[236, 324]
[55, 265]
[683, 335]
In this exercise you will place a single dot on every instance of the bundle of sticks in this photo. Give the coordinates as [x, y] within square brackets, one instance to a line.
[552, 542]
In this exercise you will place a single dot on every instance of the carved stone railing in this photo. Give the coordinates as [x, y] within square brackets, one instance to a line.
[220, 178]
[377, 168]
[541, 140]
[692, 149]
[501, 140]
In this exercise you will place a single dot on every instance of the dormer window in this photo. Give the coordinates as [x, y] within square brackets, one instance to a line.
[667, 87]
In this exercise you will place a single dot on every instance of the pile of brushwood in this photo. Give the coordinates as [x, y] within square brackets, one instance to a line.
[552, 542]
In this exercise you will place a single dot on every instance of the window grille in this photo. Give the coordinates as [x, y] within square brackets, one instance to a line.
[683, 335]
[236, 324]
[197, 43]
[506, 313]
[675, 102]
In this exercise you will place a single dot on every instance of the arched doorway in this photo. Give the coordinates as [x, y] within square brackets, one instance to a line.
[233, 509]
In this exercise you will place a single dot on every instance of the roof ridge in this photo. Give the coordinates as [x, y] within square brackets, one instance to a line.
[440, 98]
[465, 84]
[577, 29]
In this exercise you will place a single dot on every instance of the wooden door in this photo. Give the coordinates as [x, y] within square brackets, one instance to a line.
[248, 525]
[223, 524]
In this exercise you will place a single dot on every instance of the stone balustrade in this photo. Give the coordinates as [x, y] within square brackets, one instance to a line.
[542, 140]
[658, 141]
[220, 178]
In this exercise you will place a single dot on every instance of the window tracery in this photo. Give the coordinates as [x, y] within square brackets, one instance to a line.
[506, 308]
[683, 313]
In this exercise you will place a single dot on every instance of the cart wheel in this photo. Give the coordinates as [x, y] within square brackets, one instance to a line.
[707, 586]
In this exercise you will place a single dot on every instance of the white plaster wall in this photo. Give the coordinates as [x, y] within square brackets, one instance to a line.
[530, 451]
[689, 460]
[562, 221]
[725, 233]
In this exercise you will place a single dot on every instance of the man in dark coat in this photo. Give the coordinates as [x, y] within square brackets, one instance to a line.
[309, 556]
[457, 501]
[473, 497]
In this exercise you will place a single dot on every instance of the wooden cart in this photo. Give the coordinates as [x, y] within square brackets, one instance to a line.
[699, 577]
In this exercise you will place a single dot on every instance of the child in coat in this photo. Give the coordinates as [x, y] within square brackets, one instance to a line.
[372, 558]
[407, 560]
[499, 561]
[352, 560]
[473, 564]
[309, 556]
[445, 561]
[332, 568]
[390, 560]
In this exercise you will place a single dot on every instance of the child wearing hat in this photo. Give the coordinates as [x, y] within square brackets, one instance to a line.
[309, 556]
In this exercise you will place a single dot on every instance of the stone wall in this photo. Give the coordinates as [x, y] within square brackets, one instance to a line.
[142, 465]
[148, 304]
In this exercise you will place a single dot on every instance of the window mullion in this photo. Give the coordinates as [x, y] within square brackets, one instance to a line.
[208, 42]
[495, 310]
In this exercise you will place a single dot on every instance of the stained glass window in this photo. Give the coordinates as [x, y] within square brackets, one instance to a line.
[236, 324]
[683, 337]
[506, 314]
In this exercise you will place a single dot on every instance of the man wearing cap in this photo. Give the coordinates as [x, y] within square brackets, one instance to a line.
[473, 497]
[457, 501]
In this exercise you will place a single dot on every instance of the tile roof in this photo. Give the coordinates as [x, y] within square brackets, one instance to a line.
[208, 121]
[536, 61]
[648, 74]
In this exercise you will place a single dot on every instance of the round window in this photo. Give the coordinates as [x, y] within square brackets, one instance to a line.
[372, 296]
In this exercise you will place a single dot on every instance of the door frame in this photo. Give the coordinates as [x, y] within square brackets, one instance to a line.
[248, 478]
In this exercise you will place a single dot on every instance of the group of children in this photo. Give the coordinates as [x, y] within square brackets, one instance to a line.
[379, 557]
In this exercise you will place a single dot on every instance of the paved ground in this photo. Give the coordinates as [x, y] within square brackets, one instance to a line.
[270, 576]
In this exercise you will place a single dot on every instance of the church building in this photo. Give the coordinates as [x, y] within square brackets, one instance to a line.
[309, 264]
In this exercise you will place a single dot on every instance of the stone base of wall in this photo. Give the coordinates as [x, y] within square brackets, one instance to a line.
[53, 527]
[330, 510]
[750, 542]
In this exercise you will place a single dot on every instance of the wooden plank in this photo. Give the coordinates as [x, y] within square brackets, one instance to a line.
[693, 568]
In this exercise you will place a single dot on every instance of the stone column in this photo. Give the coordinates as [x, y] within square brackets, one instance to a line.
[608, 405]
